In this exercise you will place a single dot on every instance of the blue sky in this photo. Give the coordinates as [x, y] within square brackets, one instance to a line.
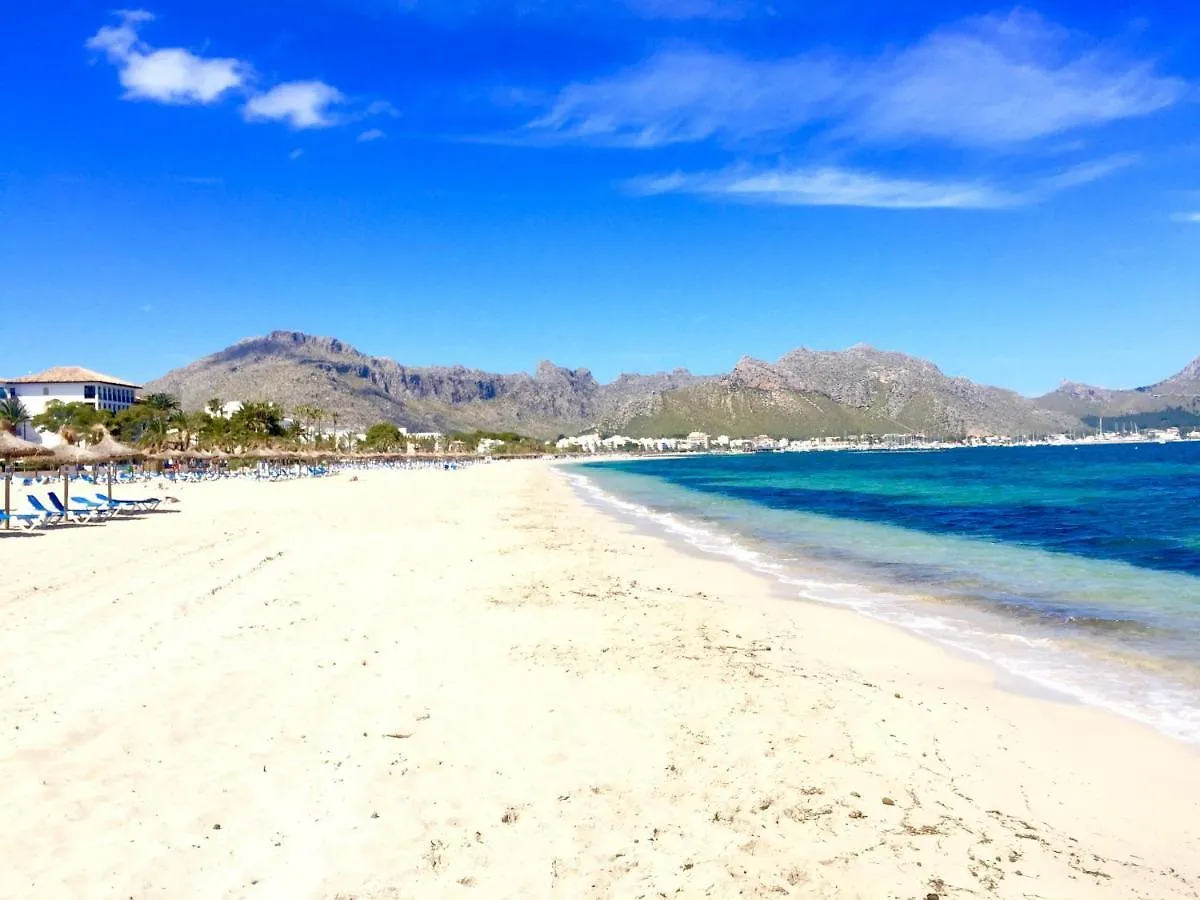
[628, 185]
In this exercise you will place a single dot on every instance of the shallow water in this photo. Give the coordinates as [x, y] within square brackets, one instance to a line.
[1075, 568]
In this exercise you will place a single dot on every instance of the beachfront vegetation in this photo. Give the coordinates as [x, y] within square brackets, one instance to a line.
[512, 444]
[384, 437]
[12, 414]
[69, 419]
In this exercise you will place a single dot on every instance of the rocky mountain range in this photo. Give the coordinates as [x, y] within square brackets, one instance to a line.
[805, 393]
[1174, 401]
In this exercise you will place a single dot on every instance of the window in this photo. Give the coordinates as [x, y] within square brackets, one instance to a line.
[45, 392]
[89, 392]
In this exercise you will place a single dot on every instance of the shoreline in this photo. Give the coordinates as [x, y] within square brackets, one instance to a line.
[1005, 679]
[472, 683]
[1058, 671]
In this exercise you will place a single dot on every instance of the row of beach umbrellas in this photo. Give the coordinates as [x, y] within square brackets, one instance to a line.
[109, 449]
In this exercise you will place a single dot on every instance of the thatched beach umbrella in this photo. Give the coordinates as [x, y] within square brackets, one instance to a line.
[13, 447]
[78, 455]
[75, 455]
[109, 447]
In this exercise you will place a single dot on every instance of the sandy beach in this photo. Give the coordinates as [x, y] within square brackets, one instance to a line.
[472, 684]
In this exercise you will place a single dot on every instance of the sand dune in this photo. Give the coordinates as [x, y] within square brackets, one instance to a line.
[470, 684]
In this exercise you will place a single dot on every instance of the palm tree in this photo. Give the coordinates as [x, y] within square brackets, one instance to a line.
[13, 414]
[167, 403]
[215, 407]
[318, 415]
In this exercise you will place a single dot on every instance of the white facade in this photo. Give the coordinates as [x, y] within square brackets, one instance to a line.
[66, 385]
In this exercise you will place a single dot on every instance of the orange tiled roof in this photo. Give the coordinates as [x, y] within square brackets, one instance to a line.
[66, 374]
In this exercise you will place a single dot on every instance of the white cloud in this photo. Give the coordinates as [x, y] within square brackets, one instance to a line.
[1005, 80]
[991, 81]
[371, 134]
[829, 186]
[689, 94]
[178, 76]
[382, 108]
[172, 75]
[835, 186]
[1191, 218]
[1086, 173]
[687, 9]
[295, 154]
[302, 104]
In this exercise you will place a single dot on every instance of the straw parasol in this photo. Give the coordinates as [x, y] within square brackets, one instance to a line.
[13, 447]
[110, 447]
[79, 455]
[75, 455]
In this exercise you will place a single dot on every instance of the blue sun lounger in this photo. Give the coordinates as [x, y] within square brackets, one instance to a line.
[51, 515]
[143, 503]
[79, 515]
[105, 509]
[24, 521]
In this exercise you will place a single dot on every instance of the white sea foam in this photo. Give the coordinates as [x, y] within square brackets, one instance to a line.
[1044, 661]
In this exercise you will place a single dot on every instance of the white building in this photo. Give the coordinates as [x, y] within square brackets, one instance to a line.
[67, 384]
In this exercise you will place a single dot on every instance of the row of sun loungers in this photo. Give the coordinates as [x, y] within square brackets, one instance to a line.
[78, 510]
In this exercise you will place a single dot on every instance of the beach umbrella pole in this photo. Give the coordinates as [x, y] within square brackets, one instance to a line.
[7, 495]
[66, 479]
[110, 476]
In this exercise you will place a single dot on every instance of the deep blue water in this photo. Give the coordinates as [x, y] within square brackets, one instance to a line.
[1076, 566]
[1136, 503]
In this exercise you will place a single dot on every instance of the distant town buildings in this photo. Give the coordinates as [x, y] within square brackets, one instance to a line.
[700, 442]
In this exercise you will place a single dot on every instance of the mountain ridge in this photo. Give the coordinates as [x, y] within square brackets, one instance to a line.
[805, 393]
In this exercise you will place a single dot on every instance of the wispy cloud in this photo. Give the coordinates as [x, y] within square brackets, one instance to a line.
[688, 9]
[301, 104]
[1189, 218]
[1005, 80]
[836, 186]
[990, 81]
[459, 10]
[171, 75]
[828, 186]
[1086, 173]
[381, 108]
[295, 154]
[690, 94]
[371, 134]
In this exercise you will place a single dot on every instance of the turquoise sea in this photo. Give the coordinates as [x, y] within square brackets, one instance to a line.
[1075, 568]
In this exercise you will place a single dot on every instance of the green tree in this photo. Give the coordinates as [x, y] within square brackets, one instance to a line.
[70, 419]
[13, 414]
[256, 423]
[308, 415]
[384, 437]
[215, 432]
[215, 407]
[167, 403]
[143, 424]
